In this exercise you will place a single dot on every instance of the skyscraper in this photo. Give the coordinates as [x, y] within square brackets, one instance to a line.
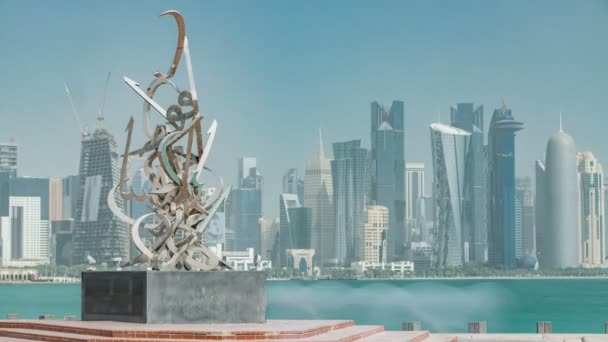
[270, 238]
[591, 178]
[523, 191]
[349, 172]
[540, 215]
[388, 168]
[560, 227]
[70, 187]
[414, 188]
[24, 218]
[502, 236]
[55, 199]
[8, 158]
[318, 196]
[374, 237]
[450, 147]
[292, 184]
[97, 232]
[295, 226]
[470, 118]
[244, 207]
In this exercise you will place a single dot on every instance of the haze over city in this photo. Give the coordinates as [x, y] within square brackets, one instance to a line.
[273, 73]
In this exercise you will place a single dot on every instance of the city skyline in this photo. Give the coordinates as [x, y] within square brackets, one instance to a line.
[245, 95]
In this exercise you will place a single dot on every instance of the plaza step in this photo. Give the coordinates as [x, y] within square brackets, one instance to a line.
[272, 330]
[348, 334]
[398, 336]
[441, 338]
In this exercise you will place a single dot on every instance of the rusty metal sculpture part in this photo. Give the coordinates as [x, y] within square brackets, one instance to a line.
[180, 211]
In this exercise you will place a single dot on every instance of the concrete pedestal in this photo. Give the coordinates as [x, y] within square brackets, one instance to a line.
[174, 297]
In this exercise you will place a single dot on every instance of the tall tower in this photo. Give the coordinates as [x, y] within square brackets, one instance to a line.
[469, 117]
[349, 172]
[502, 235]
[295, 226]
[318, 196]
[524, 197]
[540, 215]
[374, 241]
[8, 158]
[244, 207]
[450, 146]
[591, 183]
[561, 229]
[414, 188]
[388, 168]
[97, 232]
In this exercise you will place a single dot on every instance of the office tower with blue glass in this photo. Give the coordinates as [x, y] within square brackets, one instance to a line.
[349, 172]
[450, 147]
[503, 237]
[292, 184]
[8, 158]
[295, 228]
[244, 207]
[388, 173]
[468, 117]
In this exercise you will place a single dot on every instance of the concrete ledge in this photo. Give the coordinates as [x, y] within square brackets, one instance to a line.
[174, 297]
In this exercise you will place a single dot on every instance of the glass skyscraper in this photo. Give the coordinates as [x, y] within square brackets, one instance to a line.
[295, 230]
[97, 232]
[349, 171]
[244, 207]
[8, 158]
[468, 117]
[450, 147]
[388, 173]
[503, 238]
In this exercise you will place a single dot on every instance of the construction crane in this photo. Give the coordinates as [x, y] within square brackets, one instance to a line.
[74, 111]
[84, 129]
[103, 102]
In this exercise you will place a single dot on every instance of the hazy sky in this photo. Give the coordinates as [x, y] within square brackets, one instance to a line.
[273, 72]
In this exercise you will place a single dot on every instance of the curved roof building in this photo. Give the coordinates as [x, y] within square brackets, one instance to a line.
[561, 196]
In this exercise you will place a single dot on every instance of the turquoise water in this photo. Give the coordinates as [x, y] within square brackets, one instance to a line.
[573, 305]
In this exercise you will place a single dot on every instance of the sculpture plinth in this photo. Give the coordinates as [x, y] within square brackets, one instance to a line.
[174, 297]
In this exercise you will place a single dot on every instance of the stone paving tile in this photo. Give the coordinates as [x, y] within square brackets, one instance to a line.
[399, 336]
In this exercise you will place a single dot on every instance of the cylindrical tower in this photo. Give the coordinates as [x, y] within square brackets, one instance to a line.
[562, 203]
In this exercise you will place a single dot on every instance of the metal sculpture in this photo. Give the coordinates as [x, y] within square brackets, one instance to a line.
[181, 204]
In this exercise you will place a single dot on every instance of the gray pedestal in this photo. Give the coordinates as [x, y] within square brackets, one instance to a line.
[174, 297]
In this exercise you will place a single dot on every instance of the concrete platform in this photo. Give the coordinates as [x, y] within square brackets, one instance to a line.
[174, 297]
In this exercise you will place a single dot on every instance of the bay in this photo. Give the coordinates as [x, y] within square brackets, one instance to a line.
[509, 305]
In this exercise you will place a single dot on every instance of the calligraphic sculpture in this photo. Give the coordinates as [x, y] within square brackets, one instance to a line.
[181, 204]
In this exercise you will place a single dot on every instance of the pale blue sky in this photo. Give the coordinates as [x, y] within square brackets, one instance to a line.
[272, 72]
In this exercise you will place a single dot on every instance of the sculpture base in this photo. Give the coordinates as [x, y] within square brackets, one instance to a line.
[174, 297]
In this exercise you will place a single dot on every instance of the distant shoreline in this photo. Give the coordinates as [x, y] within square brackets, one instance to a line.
[369, 279]
[459, 278]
